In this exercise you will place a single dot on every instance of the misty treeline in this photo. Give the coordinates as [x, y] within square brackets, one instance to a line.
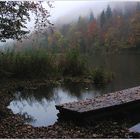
[110, 31]
[57, 53]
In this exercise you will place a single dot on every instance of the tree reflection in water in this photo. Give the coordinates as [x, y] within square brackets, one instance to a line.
[38, 106]
[28, 118]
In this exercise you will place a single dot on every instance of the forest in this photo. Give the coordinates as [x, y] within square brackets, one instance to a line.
[108, 32]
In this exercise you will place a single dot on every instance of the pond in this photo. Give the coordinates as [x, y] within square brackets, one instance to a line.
[38, 106]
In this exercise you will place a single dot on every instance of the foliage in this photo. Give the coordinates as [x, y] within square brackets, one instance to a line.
[38, 63]
[15, 14]
[100, 76]
[109, 32]
[26, 64]
[72, 64]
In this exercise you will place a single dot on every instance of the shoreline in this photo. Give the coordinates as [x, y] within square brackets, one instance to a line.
[12, 125]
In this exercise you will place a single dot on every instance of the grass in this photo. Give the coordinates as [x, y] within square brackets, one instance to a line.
[38, 63]
[26, 64]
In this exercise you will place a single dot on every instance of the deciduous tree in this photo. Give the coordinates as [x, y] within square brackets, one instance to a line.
[14, 16]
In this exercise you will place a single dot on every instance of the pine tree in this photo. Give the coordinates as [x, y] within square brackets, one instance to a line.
[108, 12]
[91, 17]
[102, 19]
[138, 7]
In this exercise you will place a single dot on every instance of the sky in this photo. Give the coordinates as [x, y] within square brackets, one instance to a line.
[63, 7]
[65, 10]
[72, 9]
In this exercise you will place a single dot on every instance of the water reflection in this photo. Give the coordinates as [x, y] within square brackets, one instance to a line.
[38, 106]
[125, 66]
[135, 128]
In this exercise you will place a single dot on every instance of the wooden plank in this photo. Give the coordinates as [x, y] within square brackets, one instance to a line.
[107, 102]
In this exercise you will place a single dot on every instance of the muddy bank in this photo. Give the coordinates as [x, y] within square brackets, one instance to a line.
[12, 126]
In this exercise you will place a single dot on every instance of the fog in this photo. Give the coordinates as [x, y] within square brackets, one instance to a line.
[67, 11]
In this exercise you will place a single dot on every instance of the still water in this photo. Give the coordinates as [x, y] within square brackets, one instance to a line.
[38, 106]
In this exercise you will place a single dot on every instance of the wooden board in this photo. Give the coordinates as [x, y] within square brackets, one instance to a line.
[107, 102]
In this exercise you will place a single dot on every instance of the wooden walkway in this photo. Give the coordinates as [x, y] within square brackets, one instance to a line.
[106, 102]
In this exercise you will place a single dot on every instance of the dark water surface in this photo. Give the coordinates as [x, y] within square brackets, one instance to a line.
[39, 105]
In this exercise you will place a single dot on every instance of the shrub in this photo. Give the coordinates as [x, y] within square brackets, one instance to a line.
[26, 64]
[101, 76]
[72, 64]
[38, 63]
